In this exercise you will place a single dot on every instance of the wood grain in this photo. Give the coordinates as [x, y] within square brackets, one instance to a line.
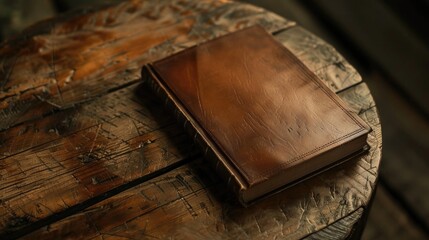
[405, 130]
[125, 114]
[321, 58]
[200, 207]
[95, 53]
[339, 230]
[332, 69]
[112, 147]
[113, 132]
[63, 151]
[76, 124]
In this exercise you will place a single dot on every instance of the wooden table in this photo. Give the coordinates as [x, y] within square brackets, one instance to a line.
[87, 152]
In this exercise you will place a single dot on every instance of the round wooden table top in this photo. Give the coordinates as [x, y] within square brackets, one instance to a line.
[87, 152]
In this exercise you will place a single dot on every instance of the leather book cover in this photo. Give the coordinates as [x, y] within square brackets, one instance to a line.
[262, 118]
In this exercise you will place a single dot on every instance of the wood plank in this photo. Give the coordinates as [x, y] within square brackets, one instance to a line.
[385, 40]
[131, 107]
[39, 71]
[342, 229]
[126, 113]
[123, 136]
[320, 57]
[111, 140]
[191, 201]
[332, 69]
[86, 120]
[405, 131]
[120, 123]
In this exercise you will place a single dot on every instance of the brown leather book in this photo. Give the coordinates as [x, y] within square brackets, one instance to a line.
[262, 118]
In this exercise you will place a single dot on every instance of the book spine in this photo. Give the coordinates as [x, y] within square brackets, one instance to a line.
[212, 156]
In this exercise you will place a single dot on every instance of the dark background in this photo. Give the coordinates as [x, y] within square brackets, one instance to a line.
[388, 42]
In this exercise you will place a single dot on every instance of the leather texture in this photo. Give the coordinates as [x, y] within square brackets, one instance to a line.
[258, 104]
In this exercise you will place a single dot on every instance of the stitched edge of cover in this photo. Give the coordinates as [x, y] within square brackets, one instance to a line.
[313, 78]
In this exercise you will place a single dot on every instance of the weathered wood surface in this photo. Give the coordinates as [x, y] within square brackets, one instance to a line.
[316, 54]
[95, 53]
[190, 202]
[405, 127]
[341, 229]
[321, 58]
[68, 138]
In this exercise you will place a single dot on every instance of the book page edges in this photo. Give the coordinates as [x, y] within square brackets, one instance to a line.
[212, 154]
[294, 173]
[308, 167]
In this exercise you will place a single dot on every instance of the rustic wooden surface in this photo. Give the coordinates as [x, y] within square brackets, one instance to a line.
[401, 203]
[86, 151]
